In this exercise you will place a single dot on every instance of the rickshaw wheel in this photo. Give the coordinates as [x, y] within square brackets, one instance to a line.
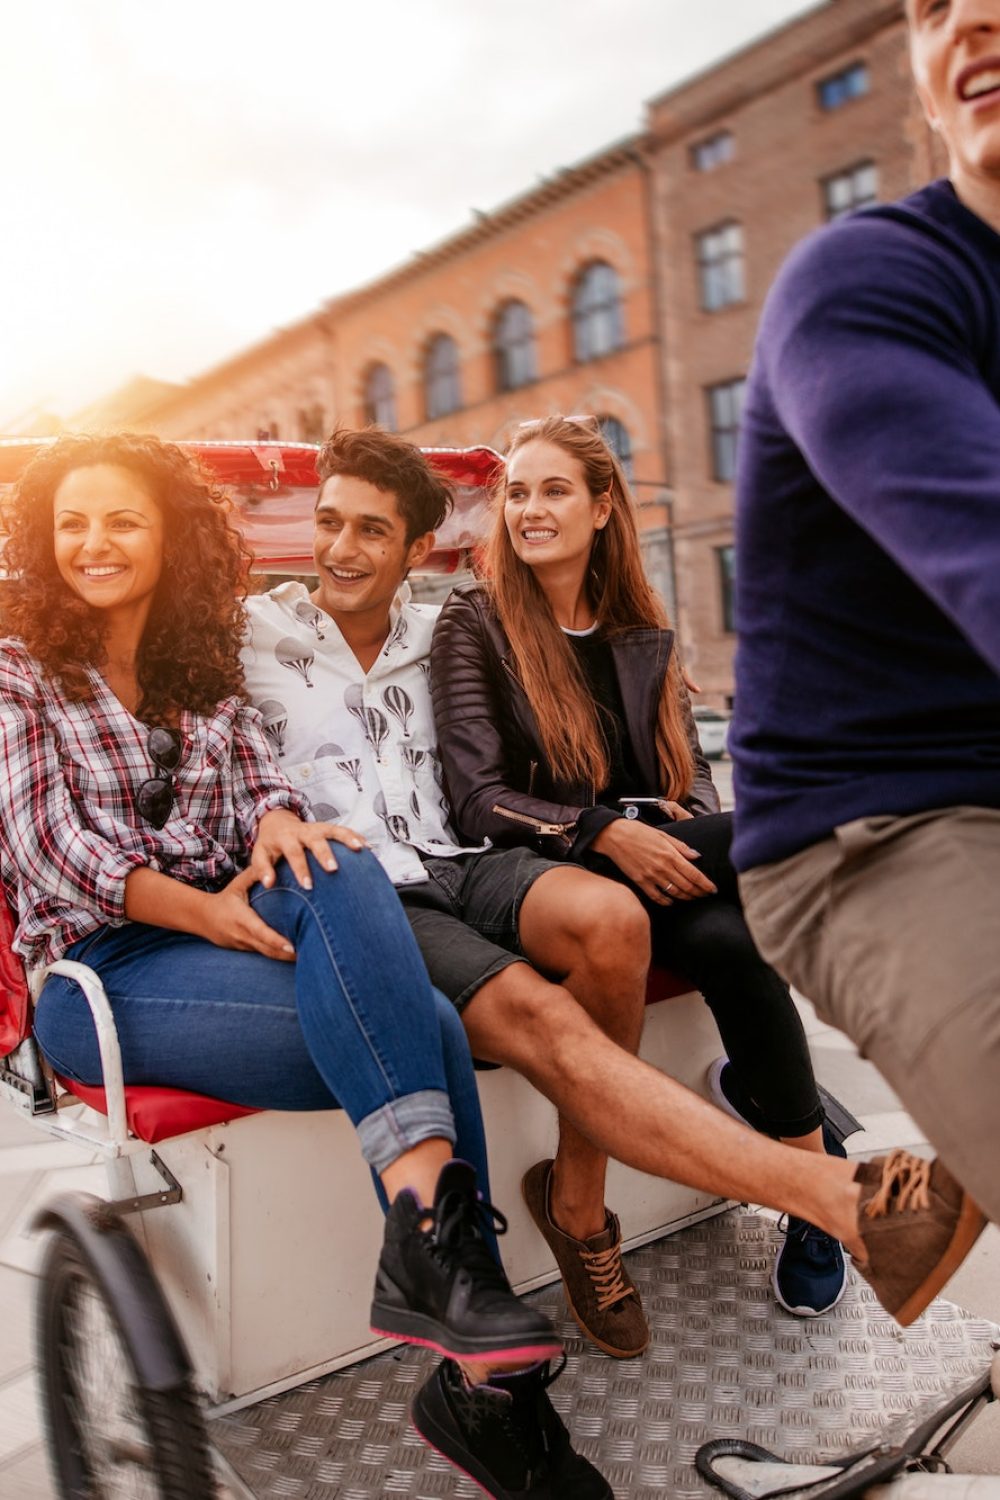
[109, 1437]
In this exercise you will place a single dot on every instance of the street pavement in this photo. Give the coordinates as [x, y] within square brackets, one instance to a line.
[33, 1167]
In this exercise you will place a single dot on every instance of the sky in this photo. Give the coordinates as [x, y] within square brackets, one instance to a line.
[180, 179]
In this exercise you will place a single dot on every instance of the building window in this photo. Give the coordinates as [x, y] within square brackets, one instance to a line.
[725, 405]
[616, 436]
[312, 424]
[380, 397]
[442, 377]
[846, 191]
[840, 88]
[713, 152]
[720, 266]
[726, 557]
[598, 315]
[514, 347]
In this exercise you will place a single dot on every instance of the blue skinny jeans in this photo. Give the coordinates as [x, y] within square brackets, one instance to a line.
[352, 1023]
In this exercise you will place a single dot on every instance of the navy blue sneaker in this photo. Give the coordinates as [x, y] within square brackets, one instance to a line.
[809, 1276]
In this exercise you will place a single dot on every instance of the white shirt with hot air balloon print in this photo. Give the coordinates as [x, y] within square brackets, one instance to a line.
[362, 747]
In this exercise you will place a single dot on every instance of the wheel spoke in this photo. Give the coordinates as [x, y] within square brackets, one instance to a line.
[116, 1451]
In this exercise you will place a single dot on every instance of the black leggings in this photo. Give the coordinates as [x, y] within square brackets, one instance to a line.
[708, 942]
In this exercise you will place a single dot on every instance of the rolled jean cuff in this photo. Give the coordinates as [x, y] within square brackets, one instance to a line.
[397, 1127]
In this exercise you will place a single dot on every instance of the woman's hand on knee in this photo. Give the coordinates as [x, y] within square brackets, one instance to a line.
[282, 835]
[229, 921]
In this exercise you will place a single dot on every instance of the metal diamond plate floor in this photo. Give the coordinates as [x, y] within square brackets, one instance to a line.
[724, 1361]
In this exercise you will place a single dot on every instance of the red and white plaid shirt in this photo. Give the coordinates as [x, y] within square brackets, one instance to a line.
[70, 831]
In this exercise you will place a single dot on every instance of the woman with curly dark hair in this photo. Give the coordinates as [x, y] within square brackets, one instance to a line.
[146, 830]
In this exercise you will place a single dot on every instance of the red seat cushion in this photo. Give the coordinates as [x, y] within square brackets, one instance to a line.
[663, 985]
[155, 1114]
[15, 1011]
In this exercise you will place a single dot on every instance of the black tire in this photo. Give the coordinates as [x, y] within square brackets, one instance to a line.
[107, 1435]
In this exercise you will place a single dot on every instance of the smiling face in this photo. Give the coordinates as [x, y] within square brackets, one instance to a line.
[361, 550]
[955, 52]
[108, 539]
[550, 514]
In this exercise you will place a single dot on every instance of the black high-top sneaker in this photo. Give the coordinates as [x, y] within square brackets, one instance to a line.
[506, 1435]
[441, 1287]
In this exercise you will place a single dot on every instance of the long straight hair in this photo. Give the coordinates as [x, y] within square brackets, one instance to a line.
[622, 599]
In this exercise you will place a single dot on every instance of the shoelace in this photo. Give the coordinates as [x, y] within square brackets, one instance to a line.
[604, 1267]
[905, 1185]
[525, 1424]
[814, 1241]
[457, 1232]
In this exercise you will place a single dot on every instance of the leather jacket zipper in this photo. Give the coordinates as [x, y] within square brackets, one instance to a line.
[551, 830]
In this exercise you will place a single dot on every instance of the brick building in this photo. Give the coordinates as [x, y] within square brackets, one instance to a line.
[628, 286]
[816, 118]
[544, 305]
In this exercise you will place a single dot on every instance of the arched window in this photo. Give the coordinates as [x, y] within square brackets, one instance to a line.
[616, 436]
[380, 397]
[442, 378]
[598, 316]
[514, 346]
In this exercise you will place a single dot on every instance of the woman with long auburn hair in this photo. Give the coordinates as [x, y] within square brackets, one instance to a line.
[147, 831]
[565, 724]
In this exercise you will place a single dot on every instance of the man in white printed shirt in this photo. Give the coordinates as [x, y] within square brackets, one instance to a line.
[340, 676]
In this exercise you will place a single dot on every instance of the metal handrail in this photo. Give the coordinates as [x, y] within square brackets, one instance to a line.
[107, 1038]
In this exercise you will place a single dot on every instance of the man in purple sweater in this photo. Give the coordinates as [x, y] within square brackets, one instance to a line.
[867, 728]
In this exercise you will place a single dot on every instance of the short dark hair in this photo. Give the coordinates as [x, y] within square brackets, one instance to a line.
[392, 465]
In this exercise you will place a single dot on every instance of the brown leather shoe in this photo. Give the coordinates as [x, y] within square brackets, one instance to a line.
[601, 1294]
[917, 1224]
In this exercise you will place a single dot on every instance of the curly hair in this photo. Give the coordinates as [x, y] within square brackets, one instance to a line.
[189, 656]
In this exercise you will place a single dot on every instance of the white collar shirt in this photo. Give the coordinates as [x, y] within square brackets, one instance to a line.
[361, 746]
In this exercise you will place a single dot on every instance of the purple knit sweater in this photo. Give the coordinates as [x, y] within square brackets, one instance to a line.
[868, 530]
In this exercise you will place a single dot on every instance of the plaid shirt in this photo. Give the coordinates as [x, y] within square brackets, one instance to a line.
[70, 832]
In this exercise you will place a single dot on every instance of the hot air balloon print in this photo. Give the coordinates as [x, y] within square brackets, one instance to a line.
[413, 759]
[400, 705]
[329, 749]
[396, 826]
[351, 768]
[325, 812]
[398, 635]
[415, 805]
[275, 716]
[354, 702]
[296, 657]
[307, 612]
[376, 728]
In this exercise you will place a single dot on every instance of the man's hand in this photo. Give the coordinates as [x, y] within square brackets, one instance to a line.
[657, 862]
[283, 835]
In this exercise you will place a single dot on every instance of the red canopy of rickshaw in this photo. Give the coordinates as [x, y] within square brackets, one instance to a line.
[273, 486]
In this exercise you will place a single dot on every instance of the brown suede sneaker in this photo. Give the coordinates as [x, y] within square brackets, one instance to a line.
[917, 1224]
[601, 1294]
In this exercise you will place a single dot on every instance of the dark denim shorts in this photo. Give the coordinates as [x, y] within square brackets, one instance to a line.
[465, 915]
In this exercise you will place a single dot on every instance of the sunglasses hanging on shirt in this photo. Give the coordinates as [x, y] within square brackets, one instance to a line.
[155, 797]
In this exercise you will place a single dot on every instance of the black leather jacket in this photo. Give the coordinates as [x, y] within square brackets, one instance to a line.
[496, 779]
